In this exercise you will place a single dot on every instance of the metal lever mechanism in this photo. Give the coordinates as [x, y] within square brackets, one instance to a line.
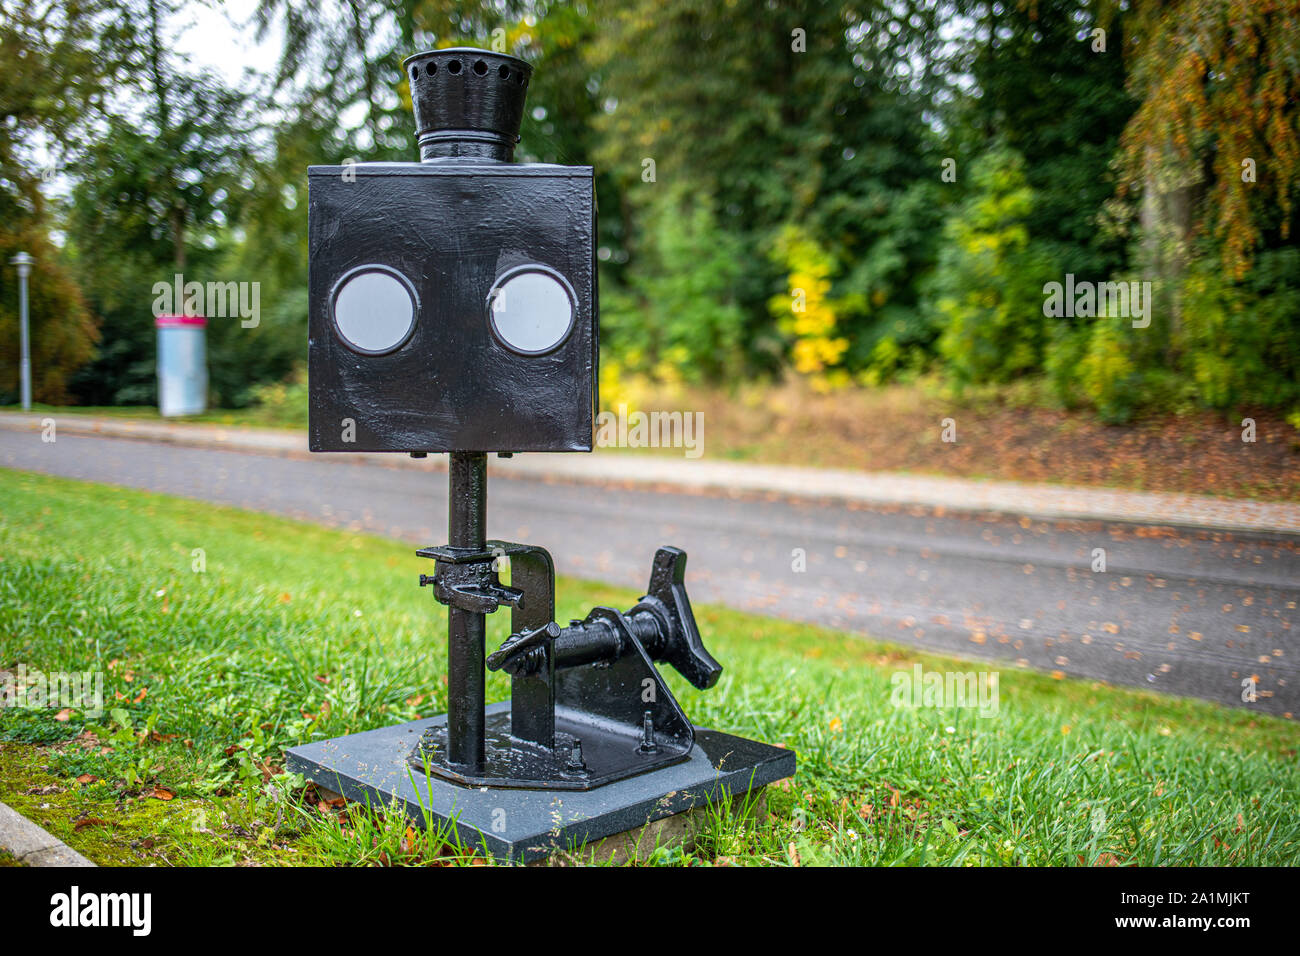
[587, 704]
[662, 623]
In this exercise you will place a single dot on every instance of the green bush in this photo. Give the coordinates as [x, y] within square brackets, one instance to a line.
[1107, 375]
[1065, 351]
[989, 282]
[1238, 339]
[680, 316]
[283, 403]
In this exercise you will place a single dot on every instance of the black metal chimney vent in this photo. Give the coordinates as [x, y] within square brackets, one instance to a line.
[467, 102]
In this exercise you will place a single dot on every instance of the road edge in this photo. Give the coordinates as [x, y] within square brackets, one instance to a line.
[31, 845]
[872, 489]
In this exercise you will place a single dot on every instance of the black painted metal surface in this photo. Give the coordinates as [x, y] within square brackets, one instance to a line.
[451, 228]
[467, 102]
[466, 627]
[588, 705]
[453, 308]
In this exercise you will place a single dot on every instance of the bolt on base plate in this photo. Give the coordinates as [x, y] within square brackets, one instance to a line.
[525, 825]
[604, 753]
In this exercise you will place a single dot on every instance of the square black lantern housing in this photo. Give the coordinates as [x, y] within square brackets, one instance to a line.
[452, 307]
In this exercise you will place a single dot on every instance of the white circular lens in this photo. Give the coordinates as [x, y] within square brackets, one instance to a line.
[532, 311]
[374, 311]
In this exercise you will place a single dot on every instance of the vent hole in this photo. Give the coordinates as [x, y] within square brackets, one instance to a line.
[480, 68]
[453, 66]
[431, 69]
[503, 72]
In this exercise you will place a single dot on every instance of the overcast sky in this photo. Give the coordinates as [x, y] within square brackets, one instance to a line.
[221, 36]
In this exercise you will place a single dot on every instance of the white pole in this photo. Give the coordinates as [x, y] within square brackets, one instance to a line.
[24, 263]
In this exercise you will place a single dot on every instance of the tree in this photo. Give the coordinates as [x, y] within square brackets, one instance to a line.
[678, 316]
[807, 115]
[157, 193]
[48, 59]
[1219, 119]
[1050, 84]
[989, 285]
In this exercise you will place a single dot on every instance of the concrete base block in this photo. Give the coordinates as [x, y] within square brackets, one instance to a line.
[527, 825]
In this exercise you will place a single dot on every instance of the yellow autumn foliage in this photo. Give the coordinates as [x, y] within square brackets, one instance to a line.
[808, 313]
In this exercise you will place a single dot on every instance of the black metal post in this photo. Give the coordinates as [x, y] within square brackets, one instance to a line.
[466, 630]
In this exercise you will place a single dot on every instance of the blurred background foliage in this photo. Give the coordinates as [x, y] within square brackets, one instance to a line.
[845, 193]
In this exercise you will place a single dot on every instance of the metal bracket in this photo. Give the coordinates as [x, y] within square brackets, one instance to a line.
[588, 706]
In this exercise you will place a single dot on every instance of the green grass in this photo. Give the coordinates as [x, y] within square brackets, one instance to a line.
[292, 632]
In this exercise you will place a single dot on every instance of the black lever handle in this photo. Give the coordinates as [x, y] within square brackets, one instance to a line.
[521, 643]
[681, 644]
[662, 623]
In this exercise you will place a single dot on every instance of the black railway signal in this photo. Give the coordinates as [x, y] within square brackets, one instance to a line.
[453, 309]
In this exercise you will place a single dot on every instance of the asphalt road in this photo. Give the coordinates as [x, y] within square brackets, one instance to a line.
[1185, 612]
